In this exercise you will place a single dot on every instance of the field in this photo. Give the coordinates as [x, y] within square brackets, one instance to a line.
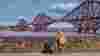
[81, 44]
[11, 46]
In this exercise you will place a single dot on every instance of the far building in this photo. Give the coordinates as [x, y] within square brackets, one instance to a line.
[88, 24]
[40, 23]
[22, 25]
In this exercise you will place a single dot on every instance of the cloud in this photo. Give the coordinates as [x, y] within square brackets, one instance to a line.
[98, 31]
[61, 25]
[28, 19]
[57, 6]
[63, 6]
[70, 6]
[54, 14]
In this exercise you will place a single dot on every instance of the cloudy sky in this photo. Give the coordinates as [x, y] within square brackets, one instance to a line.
[15, 7]
[9, 9]
[12, 20]
[7, 20]
[54, 7]
[32, 7]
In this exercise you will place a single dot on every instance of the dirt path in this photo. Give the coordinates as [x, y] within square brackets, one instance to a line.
[60, 54]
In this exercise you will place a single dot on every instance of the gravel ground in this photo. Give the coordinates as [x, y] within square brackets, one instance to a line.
[55, 54]
[68, 52]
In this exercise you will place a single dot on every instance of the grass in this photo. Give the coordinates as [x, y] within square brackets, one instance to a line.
[68, 44]
[83, 44]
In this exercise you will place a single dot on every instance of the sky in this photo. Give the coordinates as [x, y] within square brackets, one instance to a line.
[54, 7]
[10, 9]
[16, 7]
[98, 31]
[32, 7]
[12, 20]
[7, 20]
